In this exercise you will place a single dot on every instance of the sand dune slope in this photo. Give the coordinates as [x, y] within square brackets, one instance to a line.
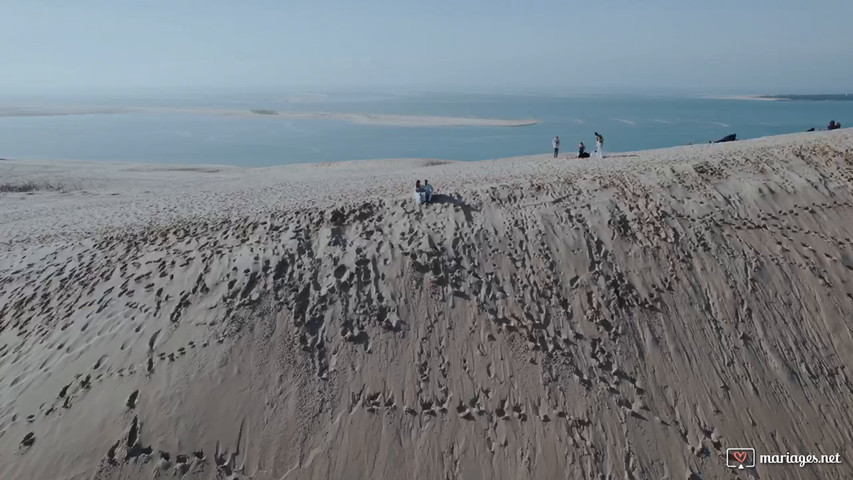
[550, 320]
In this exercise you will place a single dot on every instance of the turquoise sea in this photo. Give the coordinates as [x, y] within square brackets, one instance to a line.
[627, 122]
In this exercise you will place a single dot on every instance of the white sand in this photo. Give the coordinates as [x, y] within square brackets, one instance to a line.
[357, 118]
[759, 98]
[628, 318]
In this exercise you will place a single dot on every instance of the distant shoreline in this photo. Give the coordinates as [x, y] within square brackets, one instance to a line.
[763, 98]
[375, 119]
[825, 97]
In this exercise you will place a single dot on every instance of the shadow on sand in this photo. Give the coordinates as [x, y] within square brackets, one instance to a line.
[440, 198]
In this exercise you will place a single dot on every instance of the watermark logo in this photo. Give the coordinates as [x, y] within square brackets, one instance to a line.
[740, 458]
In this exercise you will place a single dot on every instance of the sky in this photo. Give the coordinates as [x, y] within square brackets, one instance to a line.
[724, 46]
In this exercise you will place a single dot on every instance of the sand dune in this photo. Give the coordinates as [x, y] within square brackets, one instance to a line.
[759, 98]
[628, 318]
[56, 112]
[388, 120]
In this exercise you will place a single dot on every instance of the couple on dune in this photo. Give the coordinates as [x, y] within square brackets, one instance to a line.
[423, 193]
[582, 153]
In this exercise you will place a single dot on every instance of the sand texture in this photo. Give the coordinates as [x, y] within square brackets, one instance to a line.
[625, 318]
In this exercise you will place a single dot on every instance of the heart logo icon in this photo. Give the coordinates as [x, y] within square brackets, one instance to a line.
[740, 456]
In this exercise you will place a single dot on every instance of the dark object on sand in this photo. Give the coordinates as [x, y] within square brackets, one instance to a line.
[583, 155]
[833, 125]
[728, 138]
[810, 130]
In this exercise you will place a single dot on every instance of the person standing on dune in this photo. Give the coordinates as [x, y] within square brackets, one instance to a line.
[556, 144]
[599, 145]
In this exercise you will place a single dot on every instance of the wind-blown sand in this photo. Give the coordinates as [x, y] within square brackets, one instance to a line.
[377, 119]
[629, 318]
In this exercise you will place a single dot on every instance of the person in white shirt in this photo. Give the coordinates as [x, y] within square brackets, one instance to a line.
[599, 145]
[420, 195]
[556, 144]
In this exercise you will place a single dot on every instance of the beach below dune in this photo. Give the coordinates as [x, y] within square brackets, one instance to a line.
[544, 317]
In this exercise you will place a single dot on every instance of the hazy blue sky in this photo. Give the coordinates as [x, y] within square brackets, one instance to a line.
[723, 45]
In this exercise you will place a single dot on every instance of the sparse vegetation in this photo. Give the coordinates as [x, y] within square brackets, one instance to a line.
[30, 185]
[433, 163]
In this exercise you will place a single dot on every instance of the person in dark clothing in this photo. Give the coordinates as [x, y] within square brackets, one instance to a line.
[427, 191]
[582, 153]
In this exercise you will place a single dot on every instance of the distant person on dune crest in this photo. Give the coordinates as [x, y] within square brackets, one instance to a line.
[833, 125]
[556, 144]
[599, 145]
[582, 153]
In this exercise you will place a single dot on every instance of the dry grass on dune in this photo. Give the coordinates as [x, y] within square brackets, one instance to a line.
[41, 185]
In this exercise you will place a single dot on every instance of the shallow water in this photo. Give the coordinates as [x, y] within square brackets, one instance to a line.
[627, 122]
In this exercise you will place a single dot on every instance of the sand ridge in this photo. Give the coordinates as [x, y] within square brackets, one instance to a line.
[625, 318]
[377, 119]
